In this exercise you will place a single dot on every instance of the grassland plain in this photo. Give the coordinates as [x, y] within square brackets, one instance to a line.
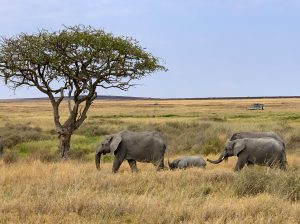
[39, 188]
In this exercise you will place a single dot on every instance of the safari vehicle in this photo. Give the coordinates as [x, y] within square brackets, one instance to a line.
[256, 106]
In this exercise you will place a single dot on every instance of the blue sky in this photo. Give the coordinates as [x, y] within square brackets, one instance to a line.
[212, 48]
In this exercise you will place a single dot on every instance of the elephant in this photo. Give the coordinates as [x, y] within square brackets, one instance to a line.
[261, 151]
[241, 135]
[145, 146]
[186, 162]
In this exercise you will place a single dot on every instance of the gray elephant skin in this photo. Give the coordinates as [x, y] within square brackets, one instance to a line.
[187, 162]
[241, 135]
[250, 151]
[148, 147]
[270, 134]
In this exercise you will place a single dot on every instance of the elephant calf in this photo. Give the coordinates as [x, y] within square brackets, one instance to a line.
[145, 146]
[186, 162]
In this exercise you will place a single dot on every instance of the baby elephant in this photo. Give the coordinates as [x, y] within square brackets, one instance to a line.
[186, 162]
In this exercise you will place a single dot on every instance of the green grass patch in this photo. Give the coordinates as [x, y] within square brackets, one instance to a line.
[27, 148]
[289, 117]
[144, 116]
[242, 116]
[13, 134]
[80, 147]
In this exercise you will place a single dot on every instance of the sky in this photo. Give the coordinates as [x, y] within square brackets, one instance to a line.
[212, 48]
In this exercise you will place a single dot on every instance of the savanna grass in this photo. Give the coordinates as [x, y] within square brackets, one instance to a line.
[41, 188]
[75, 192]
[258, 180]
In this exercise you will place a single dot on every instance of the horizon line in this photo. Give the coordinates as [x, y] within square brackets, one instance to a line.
[112, 97]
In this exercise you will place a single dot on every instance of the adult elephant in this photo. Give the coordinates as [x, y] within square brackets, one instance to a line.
[186, 162]
[146, 147]
[250, 151]
[270, 134]
[241, 135]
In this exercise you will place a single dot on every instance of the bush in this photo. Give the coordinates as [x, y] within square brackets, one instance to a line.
[92, 129]
[79, 153]
[10, 157]
[13, 134]
[293, 141]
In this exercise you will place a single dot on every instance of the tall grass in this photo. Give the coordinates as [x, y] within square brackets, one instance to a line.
[75, 192]
[256, 181]
[37, 187]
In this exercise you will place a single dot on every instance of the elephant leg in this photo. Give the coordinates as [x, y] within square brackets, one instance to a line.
[240, 164]
[116, 165]
[160, 164]
[250, 164]
[282, 164]
[278, 163]
[132, 164]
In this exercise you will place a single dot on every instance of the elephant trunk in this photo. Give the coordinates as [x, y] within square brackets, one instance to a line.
[97, 160]
[220, 159]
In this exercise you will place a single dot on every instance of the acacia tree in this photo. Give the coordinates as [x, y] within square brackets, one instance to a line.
[70, 64]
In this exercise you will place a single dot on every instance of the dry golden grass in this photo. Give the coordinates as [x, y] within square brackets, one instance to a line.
[74, 192]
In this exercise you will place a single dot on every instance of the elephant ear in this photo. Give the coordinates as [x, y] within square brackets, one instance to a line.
[238, 147]
[116, 140]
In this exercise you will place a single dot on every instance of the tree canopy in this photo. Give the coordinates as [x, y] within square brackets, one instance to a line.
[70, 64]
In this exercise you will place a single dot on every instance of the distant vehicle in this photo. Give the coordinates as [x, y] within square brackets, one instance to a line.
[256, 106]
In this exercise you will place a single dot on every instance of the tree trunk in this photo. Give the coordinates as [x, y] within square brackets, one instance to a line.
[65, 143]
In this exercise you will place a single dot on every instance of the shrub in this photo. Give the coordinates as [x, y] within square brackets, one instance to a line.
[94, 129]
[79, 153]
[293, 141]
[10, 156]
[13, 134]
